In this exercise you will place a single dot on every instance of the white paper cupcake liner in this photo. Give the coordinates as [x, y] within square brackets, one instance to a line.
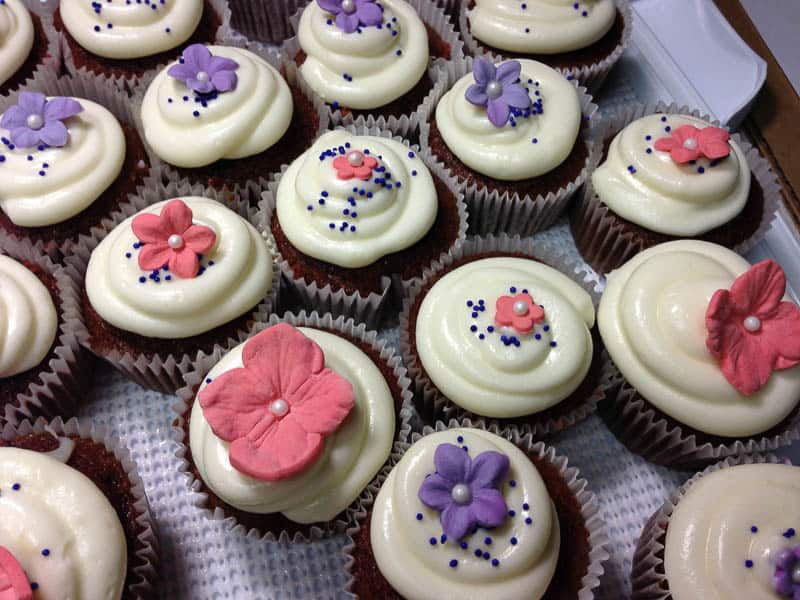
[266, 22]
[145, 564]
[605, 243]
[369, 309]
[358, 508]
[593, 523]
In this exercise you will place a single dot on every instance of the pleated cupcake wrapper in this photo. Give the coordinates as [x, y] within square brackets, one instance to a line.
[369, 309]
[97, 89]
[357, 510]
[648, 580]
[147, 548]
[590, 507]
[431, 403]
[164, 373]
[592, 76]
[602, 242]
[64, 379]
[265, 22]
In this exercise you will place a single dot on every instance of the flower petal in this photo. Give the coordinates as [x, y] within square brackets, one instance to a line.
[221, 63]
[488, 470]
[235, 402]
[483, 70]
[224, 81]
[331, 6]
[476, 94]
[713, 142]
[24, 137]
[176, 216]
[683, 155]
[199, 238]
[197, 56]
[14, 117]
[322, 402]
[780, 336]
[32, 103]
[664, 144]
[181, 72]
[452, 462]
[54, 133]
[718, 322]
[149, 228]
[347, 22]
[488, 507]
[184, 263]
[436, 492]
[369, 13]
[457, 520]
[516, 96]
[498, 111]
[760, 289]
[201, 87]
[508, 72]
[744, 365]
[684, 132]
[61, 108]
[154, 256]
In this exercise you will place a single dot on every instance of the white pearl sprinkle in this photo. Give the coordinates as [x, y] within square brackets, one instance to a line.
[35, 121]
[355, 159]
[279, 407]
[796, 573]
[202, 76]
[520, 308]
[752, 323]
[461, 493]
[690, 143]
[494, 89]
[348, 6]
[175, 241]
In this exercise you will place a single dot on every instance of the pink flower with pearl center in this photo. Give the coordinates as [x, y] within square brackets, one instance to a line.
[688, 143]
[519, 312]
[354, 164]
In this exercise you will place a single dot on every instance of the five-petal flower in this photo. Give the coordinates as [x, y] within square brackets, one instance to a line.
[36, 120]
[497, 89]
[687, 143]
[519, 312]
[784, 579]
[203, 72]
[354, 164]
[351, 14]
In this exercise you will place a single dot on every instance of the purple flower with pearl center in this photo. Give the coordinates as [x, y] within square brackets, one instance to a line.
[203, 72]
[465, 491]
[497, 89]
[787, 573]
[351, 14]
[36, 120]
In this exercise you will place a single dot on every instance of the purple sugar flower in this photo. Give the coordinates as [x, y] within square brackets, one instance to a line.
[36, 120]
[497, 89]
[351, 14]
[203, 72]
[464, 491]
[786, 579]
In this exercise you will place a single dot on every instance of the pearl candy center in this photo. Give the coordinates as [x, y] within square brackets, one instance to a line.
[202, 76]
[796, 573]
[494, 89]
[461, 493]
[175, 241]
[279, 407]
[349, 6]
[520, 308]
[355, 159]
[752, 323]
[690, 144]
[35, 122]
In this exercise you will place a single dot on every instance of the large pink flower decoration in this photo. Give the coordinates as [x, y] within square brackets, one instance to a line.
[689, 143]
[751, 330]
[519, 312]
[171, 239]
[13, 582]
[278, 408]
[354, 164]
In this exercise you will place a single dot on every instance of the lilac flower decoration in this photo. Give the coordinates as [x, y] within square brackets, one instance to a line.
[787, 573]
[36, 120]
[497, 89]
[351, 14]
[203, 72]
[464, 491]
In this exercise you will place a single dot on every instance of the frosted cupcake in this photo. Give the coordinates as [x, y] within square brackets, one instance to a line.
[25, 46]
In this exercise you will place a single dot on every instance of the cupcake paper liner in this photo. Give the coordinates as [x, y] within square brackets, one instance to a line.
[372, 308]
[604, 243]
[146, 567]
[590, 507]
[267, 22]
[357, 510]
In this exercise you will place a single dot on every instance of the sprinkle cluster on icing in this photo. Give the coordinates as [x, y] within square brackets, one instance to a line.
[16, 37]
[646, 186]
[232, 278]
[541, 26]
[533, 141]
[349, 200]
[125, 29]
[349, 459]
[497, 364]
[191, 128]
[368, 67]
[652, 318]
[514, 559]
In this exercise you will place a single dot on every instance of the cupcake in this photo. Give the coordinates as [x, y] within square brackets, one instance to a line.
[285, 433]
[671, 176]
[74, 520]
[25, 44]
[356, 212]
[707, 349]
[511, 134]
[469, 514]
[729, 532]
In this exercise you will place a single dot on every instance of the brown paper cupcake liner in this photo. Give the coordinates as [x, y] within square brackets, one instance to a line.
[145, 567]
[358, 508]
[594, 527]
[266, 22]
[605, 243]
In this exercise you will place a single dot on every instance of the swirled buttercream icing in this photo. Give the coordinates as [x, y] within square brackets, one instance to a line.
[60, 528]
[191, 127]
[349, 200]
[652, 318]
[728, 534]
[541, 26]
[124, 30]
[366, 68]
[645, 185]
[350, 456]
[505, 337]
[16, 37]
[515, 559]
[229, 280]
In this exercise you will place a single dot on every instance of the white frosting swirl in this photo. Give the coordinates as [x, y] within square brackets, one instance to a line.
[420, 570]
[28, 319]
[652, 320]
[236, 275]
[61, 528]
[16, 37]
[349, 222]
[43, 187]
[541, 26]
[236, 124]
[662, 195]
[478, 371]
[349, 461]
[534, 145]
[130, 29]
[382, 63]
[710, 533]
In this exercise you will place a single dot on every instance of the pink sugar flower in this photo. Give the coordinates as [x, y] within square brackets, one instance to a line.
[519, 312]
[355, 164]
[688, 143]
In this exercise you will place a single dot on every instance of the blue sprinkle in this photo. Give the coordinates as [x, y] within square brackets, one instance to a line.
[16, 487]
[649, 150]
[748, 563]
[512, 513]
[34, 585]
[398, 52]
[454, 563]
[460, 439]
[469, 302]
[789, 533]
[512, 289]
[754, 529]
[701, 170]
[553, 344]
[487, 541]
[419, 516]
[490, 328]
[413, 173]
[495, 562]
[648, 137]
[208, 380]
[667, 128]
[432, 541]
[473, 328]
[481, 336]
[196, 113]
[478, 553]
[526, 506]
[535, 140]
[464, 545]
[127, 255]
[474, 315]
[443, 539]
[512, 483]
[528, 521]
[513, 541]
[324, 194]
[97, 27]
[538, 336]
[663, 119]
[46, 552]
[486, 556]
[142, 279]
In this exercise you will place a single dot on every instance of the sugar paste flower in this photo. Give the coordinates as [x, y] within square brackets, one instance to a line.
[13, 582]
[519, 312]
[688, 143]
[36, 120]
[351, 14]
[751, 331]
[497, 89]
[171, 239]
[203, 72]
[355, 164]
[465, 491]
[278, 408]
[786, 579]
